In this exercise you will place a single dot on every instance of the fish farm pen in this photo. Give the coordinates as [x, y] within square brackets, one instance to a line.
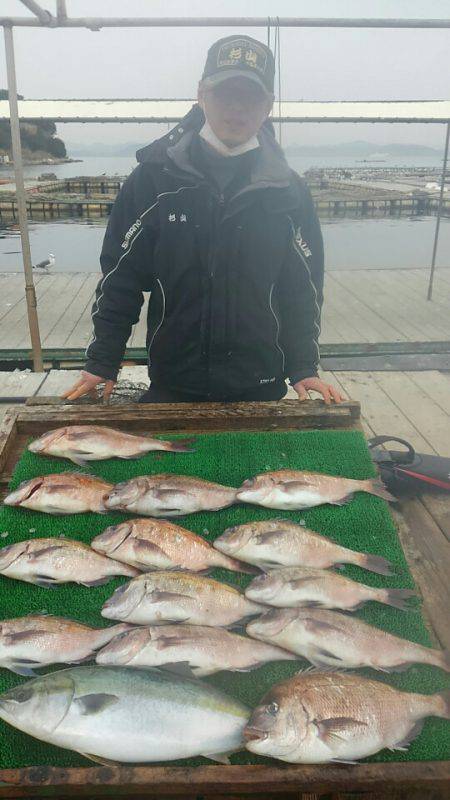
[93, 196]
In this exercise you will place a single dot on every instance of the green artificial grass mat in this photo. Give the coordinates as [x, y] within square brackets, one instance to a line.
[364, 524]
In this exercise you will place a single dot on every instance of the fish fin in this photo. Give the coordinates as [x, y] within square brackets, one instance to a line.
[89, 704]
[412, 734]
[337, 727]
[45, 581]
[397, 668]
[181, 668]
[99, 582]
[77, 459]
[20, 668]
[329, 654]
[342, 761]
[149, 547]
[44, 551]
[20, 636]
[221, 758]
[104, 762]
[376, 486]
[398, 598]
[343, 501]
[297, 583]
[318, 626]
[268, 537]
[293, 486]
[377, 564]
[182, 446]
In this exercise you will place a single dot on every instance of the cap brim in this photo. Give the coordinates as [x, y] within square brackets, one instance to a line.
[226, 75]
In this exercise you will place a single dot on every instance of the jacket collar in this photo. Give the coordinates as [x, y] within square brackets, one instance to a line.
[270, 169]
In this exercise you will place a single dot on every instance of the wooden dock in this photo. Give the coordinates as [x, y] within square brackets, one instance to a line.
[361, 306]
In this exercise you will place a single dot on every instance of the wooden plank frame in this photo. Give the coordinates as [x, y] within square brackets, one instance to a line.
[399, 780]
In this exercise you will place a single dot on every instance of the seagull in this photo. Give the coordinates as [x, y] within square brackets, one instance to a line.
[46, 264]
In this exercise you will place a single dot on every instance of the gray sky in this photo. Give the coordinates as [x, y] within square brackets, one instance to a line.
[317, 64]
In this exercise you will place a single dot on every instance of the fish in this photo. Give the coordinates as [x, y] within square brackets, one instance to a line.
[332, 639]
[204, 650]
[169, 495]
[83, 443]
[299, 587]
[62, 493]
[316, 718]
[281, 543]
[160, 597]
[292, 490]
[39, 640]
[114, 714]
[48, 562]
[150, 544]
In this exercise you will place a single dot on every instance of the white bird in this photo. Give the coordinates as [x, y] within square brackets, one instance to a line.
[46, 264]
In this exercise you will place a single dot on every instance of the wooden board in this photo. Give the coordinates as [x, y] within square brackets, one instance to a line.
[399, 781]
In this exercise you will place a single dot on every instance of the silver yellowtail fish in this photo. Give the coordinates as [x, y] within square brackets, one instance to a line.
[204, 650]
[150, 544]
[296, 587]
[280, 543]
[62, 493]
[291, 490]
[314, 718]
[158, 597]
[47, 562]
[169, 495]
[82, 443]
[38, 640]
[126, 715]
[329, 638]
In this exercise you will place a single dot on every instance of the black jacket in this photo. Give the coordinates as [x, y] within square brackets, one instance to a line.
[236, 286]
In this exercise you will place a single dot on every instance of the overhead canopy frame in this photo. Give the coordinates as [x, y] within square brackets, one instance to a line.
[172, 111]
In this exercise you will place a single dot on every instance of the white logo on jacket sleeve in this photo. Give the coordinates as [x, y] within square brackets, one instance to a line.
[304, 247]
[135, 227]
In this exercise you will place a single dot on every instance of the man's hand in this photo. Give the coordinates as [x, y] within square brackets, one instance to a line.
[87, 384]
[327, 391]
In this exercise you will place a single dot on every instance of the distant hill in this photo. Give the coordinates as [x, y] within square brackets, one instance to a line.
[359, 148]
[38, 138]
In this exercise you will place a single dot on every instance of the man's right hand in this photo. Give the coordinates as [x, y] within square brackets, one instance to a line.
[87, 384]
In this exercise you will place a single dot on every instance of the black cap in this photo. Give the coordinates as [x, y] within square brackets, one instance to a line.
[240, 56]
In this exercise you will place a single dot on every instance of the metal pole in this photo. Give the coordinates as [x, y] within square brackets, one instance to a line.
[30, 293]
[438, 220]
[95, 23]
[42, 14]
[61, 11]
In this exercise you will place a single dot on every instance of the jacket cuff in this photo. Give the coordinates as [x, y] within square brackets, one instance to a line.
[295, 377]
[105, 371]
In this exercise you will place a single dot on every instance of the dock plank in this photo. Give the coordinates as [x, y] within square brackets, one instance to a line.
[416, 406]
[63, 328]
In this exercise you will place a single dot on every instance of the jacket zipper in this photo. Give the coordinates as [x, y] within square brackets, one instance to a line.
[163, 313]
[277, 335]
[218, 214]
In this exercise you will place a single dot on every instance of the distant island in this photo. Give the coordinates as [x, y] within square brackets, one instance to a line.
[40, 145]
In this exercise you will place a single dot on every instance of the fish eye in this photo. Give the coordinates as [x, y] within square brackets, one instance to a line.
[272, 709]
[23, 695]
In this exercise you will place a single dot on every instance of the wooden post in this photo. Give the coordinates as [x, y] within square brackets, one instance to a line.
[30, 292]
[439, 211]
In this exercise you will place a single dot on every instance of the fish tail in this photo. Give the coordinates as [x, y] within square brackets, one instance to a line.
[375, 564]
[376, 486]
[442, 659]
[398, 598]
[221, 560]
[181, 446]
[442, 704]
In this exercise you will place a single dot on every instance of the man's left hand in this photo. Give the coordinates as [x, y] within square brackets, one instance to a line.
[328, 392]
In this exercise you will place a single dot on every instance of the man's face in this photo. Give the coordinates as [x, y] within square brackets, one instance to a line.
[235, 109]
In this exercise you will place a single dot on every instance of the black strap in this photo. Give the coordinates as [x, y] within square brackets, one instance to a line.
[399, 457]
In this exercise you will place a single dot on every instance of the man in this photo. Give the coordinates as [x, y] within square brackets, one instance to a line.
[225, 237]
